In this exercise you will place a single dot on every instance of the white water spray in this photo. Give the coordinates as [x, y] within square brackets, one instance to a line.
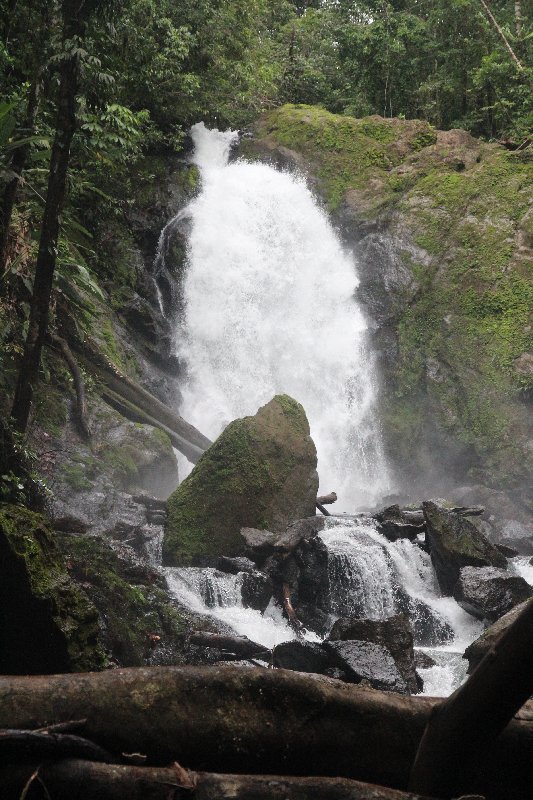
[269, 309]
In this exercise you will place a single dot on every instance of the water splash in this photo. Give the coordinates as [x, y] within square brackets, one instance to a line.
[270, 308]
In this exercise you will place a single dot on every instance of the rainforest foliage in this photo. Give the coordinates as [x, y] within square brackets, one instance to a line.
[89, 88]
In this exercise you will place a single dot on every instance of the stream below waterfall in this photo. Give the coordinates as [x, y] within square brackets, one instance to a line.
[270, 306]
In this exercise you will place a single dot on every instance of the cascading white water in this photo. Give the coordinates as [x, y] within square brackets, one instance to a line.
[269, 309]
[366, 572]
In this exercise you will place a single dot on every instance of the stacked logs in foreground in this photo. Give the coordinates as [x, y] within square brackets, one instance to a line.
[254, 722]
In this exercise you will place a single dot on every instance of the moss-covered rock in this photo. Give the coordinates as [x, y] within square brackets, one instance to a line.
[441, 223]
[47, 623]
[260, 473]
[139, 623]
[454, 542]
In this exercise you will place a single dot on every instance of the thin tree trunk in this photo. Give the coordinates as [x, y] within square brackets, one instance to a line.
[501, 34]
[461, 731]
[518, 17]
[79, 385]
[73, 25]
[18, 165]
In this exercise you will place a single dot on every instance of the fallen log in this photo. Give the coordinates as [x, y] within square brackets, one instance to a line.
[327, 499]
[240, 645]
[462, 729]
[131, 394]
[256, 721]
[86, 780]
[17, 745]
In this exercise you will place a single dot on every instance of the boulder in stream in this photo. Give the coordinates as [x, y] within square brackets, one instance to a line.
[260, 473]
[301, 656]
[366, 661]
[489, 592]
[395, 524]
[480, 647]
[394, 633]
[454, 542]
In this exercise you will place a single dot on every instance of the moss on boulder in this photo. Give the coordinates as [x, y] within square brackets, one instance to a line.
[455, 542]
[47, 624]
[260, 473]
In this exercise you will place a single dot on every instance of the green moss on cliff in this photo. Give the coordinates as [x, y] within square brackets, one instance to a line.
[469, 319]
[345, 152]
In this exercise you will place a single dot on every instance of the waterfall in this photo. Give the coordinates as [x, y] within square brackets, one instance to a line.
[270, 307]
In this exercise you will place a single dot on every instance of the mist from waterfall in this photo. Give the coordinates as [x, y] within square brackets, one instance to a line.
[269, 308]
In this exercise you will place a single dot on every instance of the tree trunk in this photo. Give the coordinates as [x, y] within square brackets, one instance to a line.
[461, 731]
[18, 165]
[123, 391]
[256, 721]
[518, 18]
[501, 34]
[87, 780]
[79, 385]
[73, 25]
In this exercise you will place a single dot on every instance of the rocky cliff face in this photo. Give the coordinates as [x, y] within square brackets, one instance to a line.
[442, 228]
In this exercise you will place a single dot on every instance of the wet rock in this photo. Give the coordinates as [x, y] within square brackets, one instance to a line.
[394, 633]
[423, 661]
[369, 662]
[489, 593]
[301, 530]
[313, 618]
[395, 524]
[48, 623]
[235, 565]
[311, 555]
[256, 590]
[259, 544]
[429, 628]
[454, 542]
[508, 552]
[260, 472]
[480, 647]
[301, 656]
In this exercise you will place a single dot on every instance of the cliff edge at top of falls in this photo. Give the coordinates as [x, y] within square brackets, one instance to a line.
[442, 228]
[260, 472]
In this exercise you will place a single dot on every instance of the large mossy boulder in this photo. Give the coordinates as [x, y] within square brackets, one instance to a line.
[47, 623]
[454, 542]
[260, 473]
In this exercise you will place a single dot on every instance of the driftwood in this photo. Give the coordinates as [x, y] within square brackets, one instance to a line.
[240, 645]
[294, 622]
[461, 731]
[117, 386]
[327, 499]
[256, 721]
[86, 780]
